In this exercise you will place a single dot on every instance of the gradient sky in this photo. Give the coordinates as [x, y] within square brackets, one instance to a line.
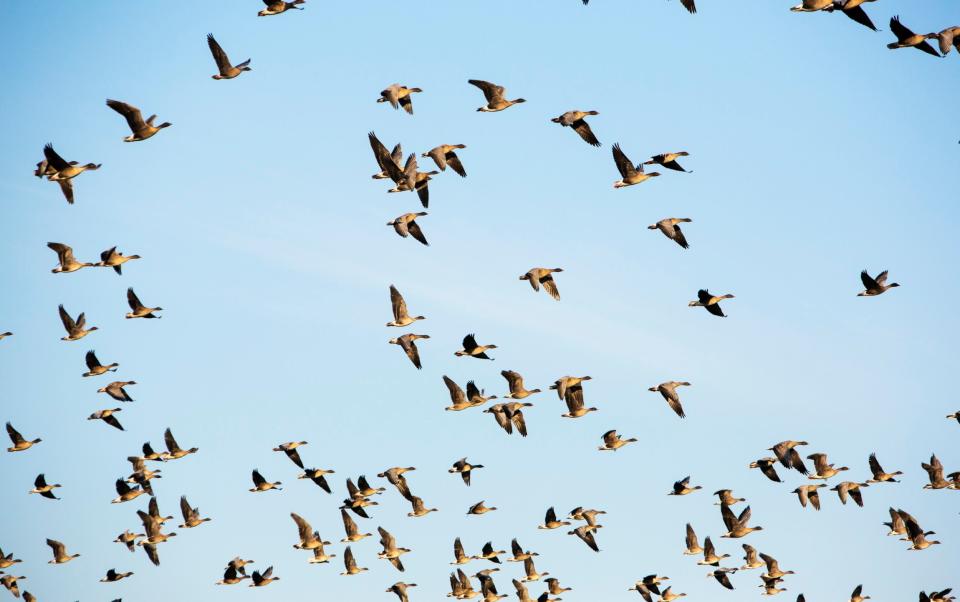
[816, 153]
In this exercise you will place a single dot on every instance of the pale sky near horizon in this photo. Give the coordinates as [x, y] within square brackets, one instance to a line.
[815, 152]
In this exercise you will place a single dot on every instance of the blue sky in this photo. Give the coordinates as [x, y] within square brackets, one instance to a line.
[816, 153]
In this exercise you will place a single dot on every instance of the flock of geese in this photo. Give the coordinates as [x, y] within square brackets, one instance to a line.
[582, 523]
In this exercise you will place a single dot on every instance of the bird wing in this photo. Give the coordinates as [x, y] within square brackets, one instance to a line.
[129, 112]
[691, 539]
[550, 285]
[469, 342]
[514, 380]
[170, 442]
[68, 323]
[257, 478]
[573, 396]
[91, 359]
[454, 162]
[223, 63]
[456, 393]
[133, 301]
[624, 166]
[582, 128]
[414, 229]
[491, 92]
[55, 160]
[303, 527]
[875, 467]
[398, 304]
[899, 29]
[690, 5]
[860, 16]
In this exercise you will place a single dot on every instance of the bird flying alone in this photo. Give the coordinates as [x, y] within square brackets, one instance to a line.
[710, 302]
[140, 129]
[227, 70]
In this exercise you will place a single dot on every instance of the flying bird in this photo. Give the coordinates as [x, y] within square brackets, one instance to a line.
[141, 130]
[227, 70]
[575, 120]
[494, 95]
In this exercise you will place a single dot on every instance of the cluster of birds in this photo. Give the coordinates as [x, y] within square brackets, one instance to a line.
[508, 413]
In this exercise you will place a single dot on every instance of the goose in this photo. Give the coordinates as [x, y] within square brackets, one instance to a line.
[399, 96]
[138, 309]
[191, 516]
[128, 539]
[585, 533]
[773, 567]
[480, 508]
[290, 449]
[669, 392]
[788, 456]
[494, 95]
[141, 130]
[230, 577]
[353, 534]
[808, 493]
[153, 456]
[67, 262]
[473, 398]
[60, 171]
[853, 489]
[117, 390]
[896, 524]
[408, 343]
[726, 498]
[809, 6]
[391, 551]
[670, 227]
[320, 555]
[875, 286]
[395, 477]
[630, 174]
[915, 533]
[365, 490]
[141, 474]
[472, 349]
[692, 544]
[823, 469]
[276, 7]
[523, 594]
[908, 39]
[710, 557]
[406, 225]
[770, 585]
[768, 466]
[722, 576]
[445, 155]
[10, 582]
[550, 520]
[544, 276]
[530, 571]
[612, 441]
[266, 578]
[350, 563]
[682, 487]
[7, 561]
[400, 588]
[879, 476]
[499, 413]
[710, 302]
[111, 258]
[488, 588]
[750, 558]
[948, 38]
[668, 595]
[588, 515]
[460, 586]
[737, 525]
[409, 178]
[260, 484]
[488, 553]
[41, 487]
[464, 468]
[227, 70]
[238, 564]
[853, 10]
[575, 121]
[554, 587]
[113, 576]
[400, 316]
[668, 160]
[934, 473]
[317, 476]
[309, 539]
[175, 452]
[108, 417]
[515, 382]
[125, 493]
[641, 588]
[153, 509]
[19, 443]
[519, 554]
[75, 329]
[459, 555]
[60, 555]
[418, 507]
[857, 594]
[513, 411]
[575, 406]
[95, 368]
[561, 384]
